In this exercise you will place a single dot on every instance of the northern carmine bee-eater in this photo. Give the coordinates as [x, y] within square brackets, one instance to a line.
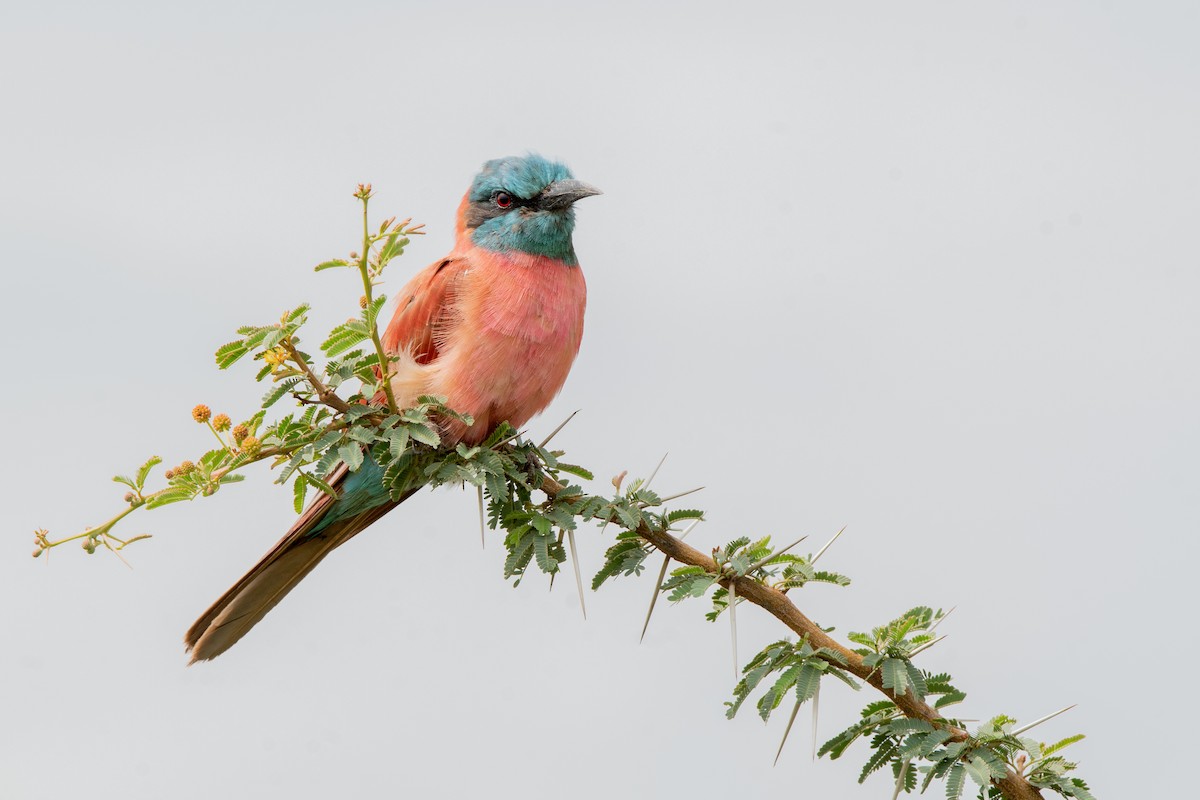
[493, 327]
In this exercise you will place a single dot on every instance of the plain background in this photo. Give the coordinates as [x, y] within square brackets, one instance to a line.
[927, 270]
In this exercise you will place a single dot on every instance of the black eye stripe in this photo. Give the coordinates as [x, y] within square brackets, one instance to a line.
[487, 208]
[513, 200]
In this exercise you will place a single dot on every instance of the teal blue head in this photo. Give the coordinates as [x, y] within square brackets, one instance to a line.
[524, 204]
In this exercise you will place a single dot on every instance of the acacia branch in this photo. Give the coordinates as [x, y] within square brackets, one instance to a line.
[1013, 786]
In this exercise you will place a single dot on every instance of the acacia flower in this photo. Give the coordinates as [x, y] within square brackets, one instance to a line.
[275, 356]
[201, 413]
[221, 422]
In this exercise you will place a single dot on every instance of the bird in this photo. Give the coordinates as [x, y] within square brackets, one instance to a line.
[493, 327]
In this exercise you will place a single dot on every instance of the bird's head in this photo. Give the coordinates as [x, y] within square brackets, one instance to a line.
[523, 204]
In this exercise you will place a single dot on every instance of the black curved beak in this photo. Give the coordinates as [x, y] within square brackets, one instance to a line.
[563, 194]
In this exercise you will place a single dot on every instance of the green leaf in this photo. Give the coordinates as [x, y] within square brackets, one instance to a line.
[169, 496]
[774, 695]
[331, 264]
[949, 699]
[978, 769]
[807, 682]
[954, 782]
[361, 433]
[352, 454]
[541, 551]
[144, 470]
[273, 336]
[916, 680]
[371, 312]
[895, 675]
[279, 390]
[424, 434]
[228, 354]
[576, 470]
[882, 755]
[299, 489]
[125, 479]
[342, 338]
[1060, 744]
[322, 485]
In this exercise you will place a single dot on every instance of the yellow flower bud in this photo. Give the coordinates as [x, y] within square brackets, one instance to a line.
[201, 413]
[251, 444]
[240, 432]
[221, 422]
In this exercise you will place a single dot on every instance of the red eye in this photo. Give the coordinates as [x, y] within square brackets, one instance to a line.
[503, 199]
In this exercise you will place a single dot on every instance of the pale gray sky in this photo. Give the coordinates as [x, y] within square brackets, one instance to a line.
[927, 270]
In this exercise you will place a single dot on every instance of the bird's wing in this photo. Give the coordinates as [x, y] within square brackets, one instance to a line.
[426, 311]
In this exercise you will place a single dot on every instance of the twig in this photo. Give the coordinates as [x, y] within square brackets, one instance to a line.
[324, 393]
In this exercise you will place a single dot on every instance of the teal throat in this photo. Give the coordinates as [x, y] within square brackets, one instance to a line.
[539, 233]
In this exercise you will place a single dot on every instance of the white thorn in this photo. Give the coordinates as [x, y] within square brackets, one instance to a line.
[786, 731]
[900, 778]
[925, 646]
[681, 494]
[554, 432]
[821, 552]
[1034, 724]
[939, 620]
[646, 485]
[662, 574]
[763, 561]
[733, 626]
[578, 576]
[482, 535]
[508, 439]
[816, 706]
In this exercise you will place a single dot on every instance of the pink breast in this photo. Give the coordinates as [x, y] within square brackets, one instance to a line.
[522, 323]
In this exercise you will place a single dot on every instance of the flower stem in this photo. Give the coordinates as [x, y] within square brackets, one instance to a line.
[384, 361]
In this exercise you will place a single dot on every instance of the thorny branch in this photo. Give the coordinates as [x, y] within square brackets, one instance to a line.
[777, 603]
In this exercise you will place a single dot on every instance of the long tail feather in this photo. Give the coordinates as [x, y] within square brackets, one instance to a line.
[276, 574]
